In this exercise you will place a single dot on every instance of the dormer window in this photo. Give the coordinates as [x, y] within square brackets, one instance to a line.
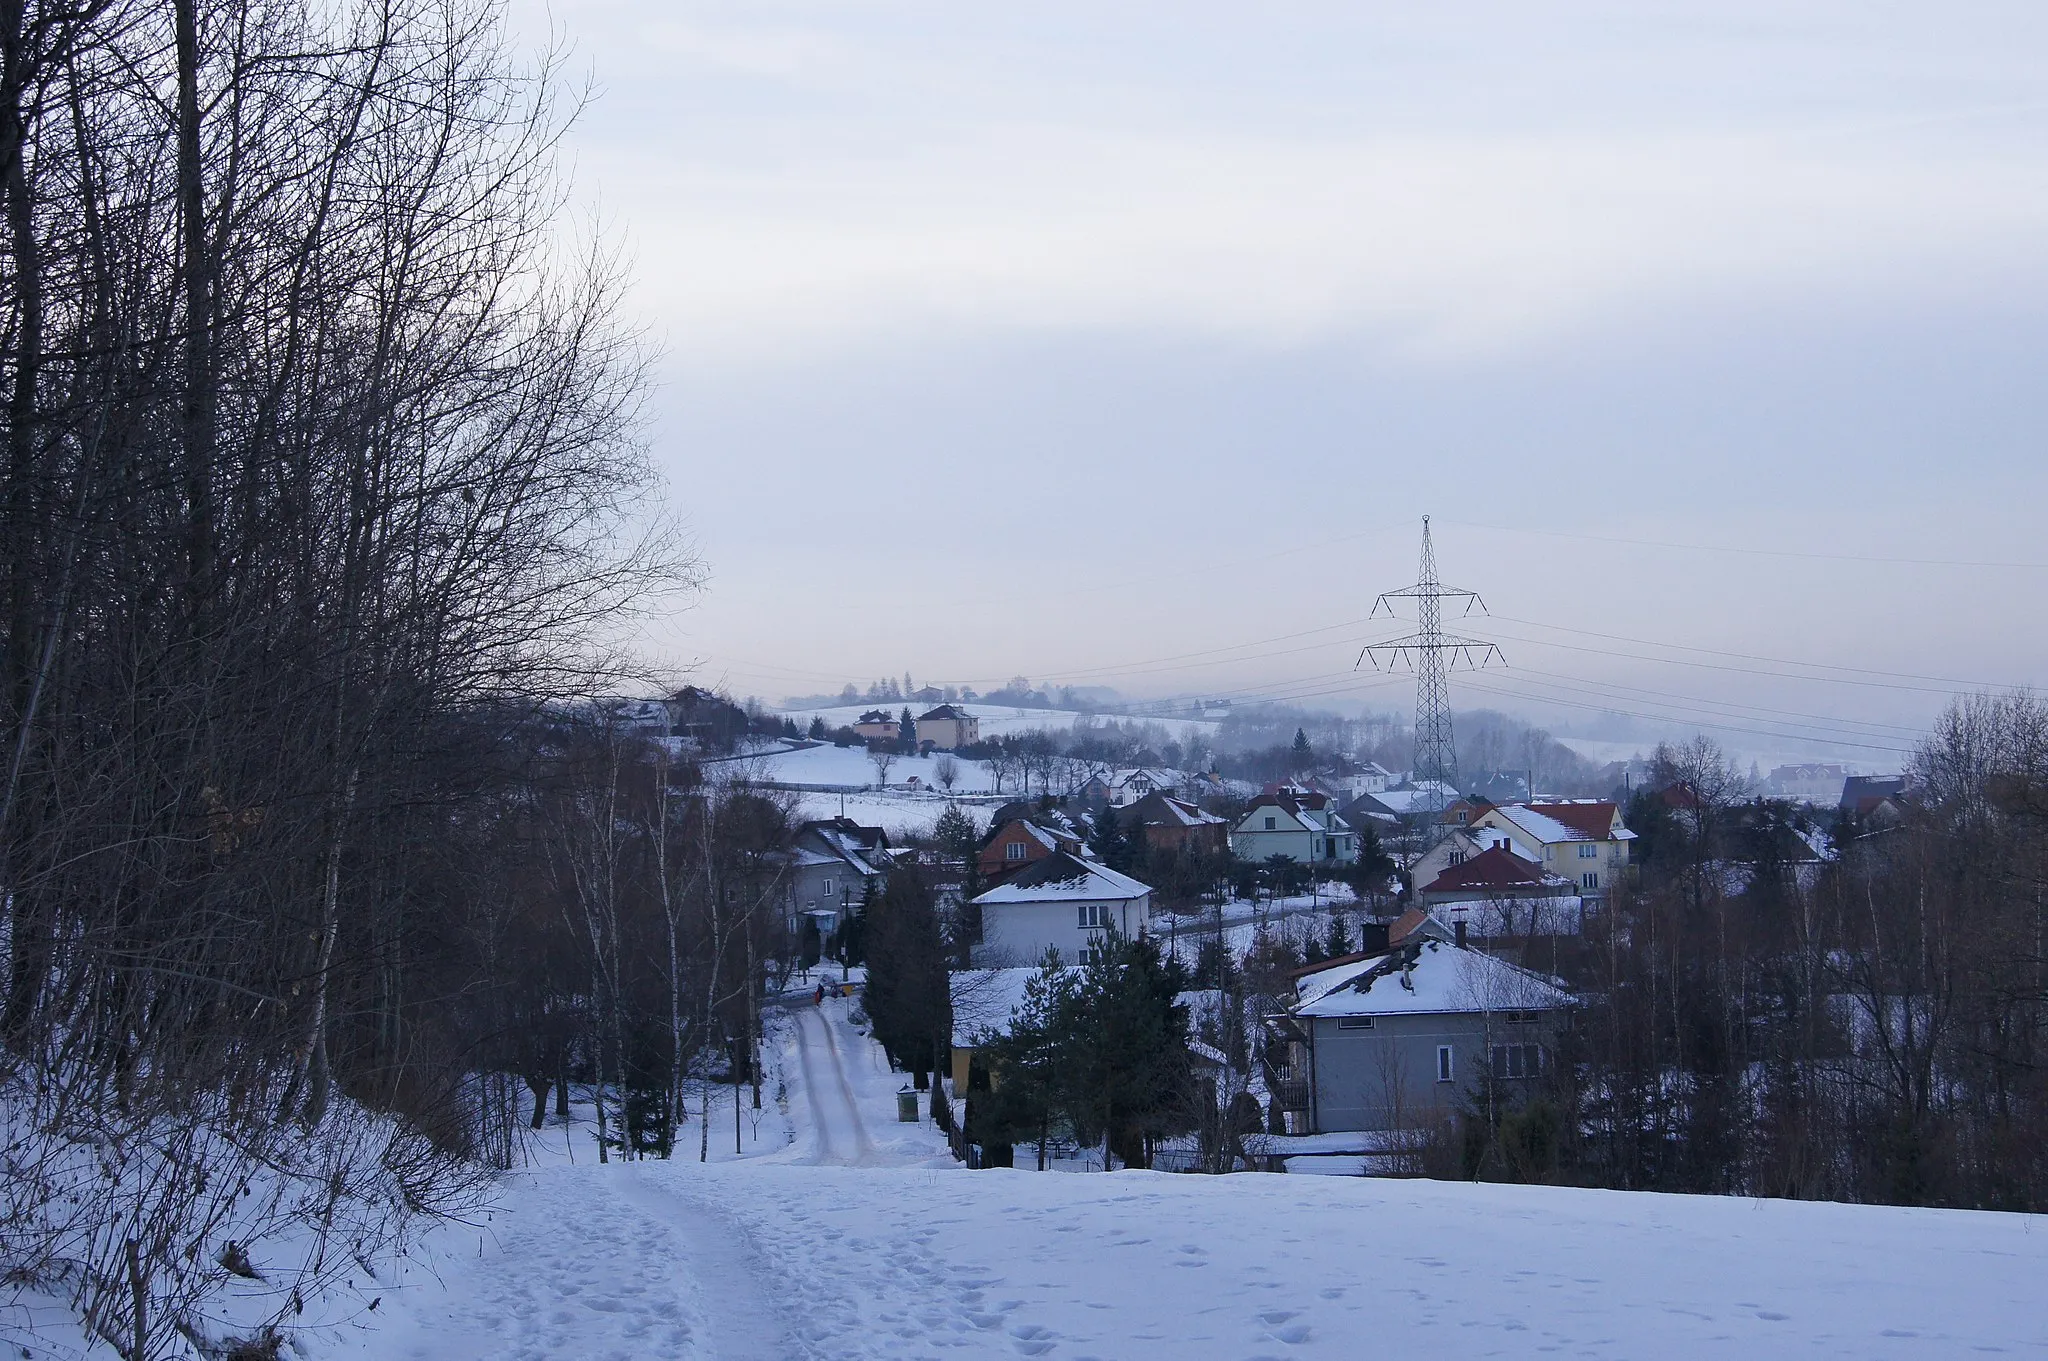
[1014, 851]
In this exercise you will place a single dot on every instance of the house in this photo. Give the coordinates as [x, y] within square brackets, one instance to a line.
[1300, 825]
[930, 694]
[1063, 903]
[1368, 778]
[1400, 1041]
[1460, 844]
[704, 721]
[830, 865]
[1020, 841]
[1865, 795]
[878, 725]
[1093, 793]
[1583, 840]
[1165, 823]
[1817, 783]
[1138, 784]
[948, 728]
[1498, 893]
[1412, 801]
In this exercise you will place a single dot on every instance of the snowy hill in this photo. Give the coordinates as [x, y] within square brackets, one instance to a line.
[858, 1239]
[998, 720]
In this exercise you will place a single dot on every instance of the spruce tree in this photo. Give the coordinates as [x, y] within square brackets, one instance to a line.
[1303, 754]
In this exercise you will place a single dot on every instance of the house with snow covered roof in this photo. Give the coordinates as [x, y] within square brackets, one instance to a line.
[878, 725]
[1165, 823]
[1399, 1041]
[1583, 840]
[1298, 824]
[1062, 902]
[830, 864]
[1015, 843]
[1498, 894]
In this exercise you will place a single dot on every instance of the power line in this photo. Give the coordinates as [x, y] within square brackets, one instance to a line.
[1863, 558]
[1717, 726]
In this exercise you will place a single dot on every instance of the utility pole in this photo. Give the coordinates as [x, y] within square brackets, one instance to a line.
[1432, 654]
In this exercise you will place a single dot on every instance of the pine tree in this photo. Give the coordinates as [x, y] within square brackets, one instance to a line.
[1302, 753]
[1025, 1062]
[1339, 941]
[1110, 842]
[817, 729]
[1123, 1061]
[907, 993]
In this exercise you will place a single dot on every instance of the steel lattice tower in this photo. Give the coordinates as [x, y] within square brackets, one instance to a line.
[1433, 654]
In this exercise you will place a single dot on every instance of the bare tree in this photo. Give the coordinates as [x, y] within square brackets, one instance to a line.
[882, 759]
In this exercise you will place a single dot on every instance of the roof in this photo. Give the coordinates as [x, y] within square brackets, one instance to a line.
[1579, 820]
[1062, 876]
[944, 711]
[1160, 809]
[985, 999]
[1491, 868]
[1431, 978]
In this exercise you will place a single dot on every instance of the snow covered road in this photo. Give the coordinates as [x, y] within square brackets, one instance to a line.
[833, 1122]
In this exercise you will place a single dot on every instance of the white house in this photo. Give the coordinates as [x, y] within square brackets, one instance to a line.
[948, 728]
[1062, 903]
[1300, 825]
[1582, 840]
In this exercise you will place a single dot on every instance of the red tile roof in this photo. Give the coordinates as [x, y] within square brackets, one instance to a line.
[1491, 868]
[1593, 821]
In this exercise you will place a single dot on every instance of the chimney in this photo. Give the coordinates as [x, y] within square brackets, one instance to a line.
[1458, 927]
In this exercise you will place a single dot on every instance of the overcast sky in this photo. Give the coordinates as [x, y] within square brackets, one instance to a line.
[1105, 343]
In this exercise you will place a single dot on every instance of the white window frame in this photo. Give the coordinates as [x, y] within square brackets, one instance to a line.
[1446, 1064]
[1093, 916]
[1590, 880]
[828, 889]
[1013, 850]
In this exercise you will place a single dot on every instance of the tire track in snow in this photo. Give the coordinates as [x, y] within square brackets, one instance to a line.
[821, 1134]
[864, 1145]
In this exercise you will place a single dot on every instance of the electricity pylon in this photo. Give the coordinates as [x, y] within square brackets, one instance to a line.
[1433, 654]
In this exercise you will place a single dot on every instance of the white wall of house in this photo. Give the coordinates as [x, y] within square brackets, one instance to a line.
[1018, 934]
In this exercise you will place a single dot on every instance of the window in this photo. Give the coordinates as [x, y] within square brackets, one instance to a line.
[1094, 914]
[1443, 1063]
[1269, 824]
[1519, 1017]
[1588, 851]
[1355, 1023]
[1517, 1060]
[1315, 846]
[1014, 851]
[828, 890]
[1091, 954]
[1590, 879]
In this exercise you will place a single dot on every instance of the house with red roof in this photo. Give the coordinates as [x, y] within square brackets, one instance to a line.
[1582, 840]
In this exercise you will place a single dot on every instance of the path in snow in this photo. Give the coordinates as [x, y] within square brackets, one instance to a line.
[833, 1117]
[585, 1263]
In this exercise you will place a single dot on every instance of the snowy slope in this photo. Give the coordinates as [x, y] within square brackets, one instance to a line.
[999, 720]
[859, 1239]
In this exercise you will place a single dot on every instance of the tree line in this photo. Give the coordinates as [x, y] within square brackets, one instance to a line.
[324, 508]
[1866, 1025]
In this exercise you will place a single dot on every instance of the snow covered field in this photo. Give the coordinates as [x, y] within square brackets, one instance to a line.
[858, 1238]
[999, 720]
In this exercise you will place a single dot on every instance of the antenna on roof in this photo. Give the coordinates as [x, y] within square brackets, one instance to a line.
[1432, 654]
